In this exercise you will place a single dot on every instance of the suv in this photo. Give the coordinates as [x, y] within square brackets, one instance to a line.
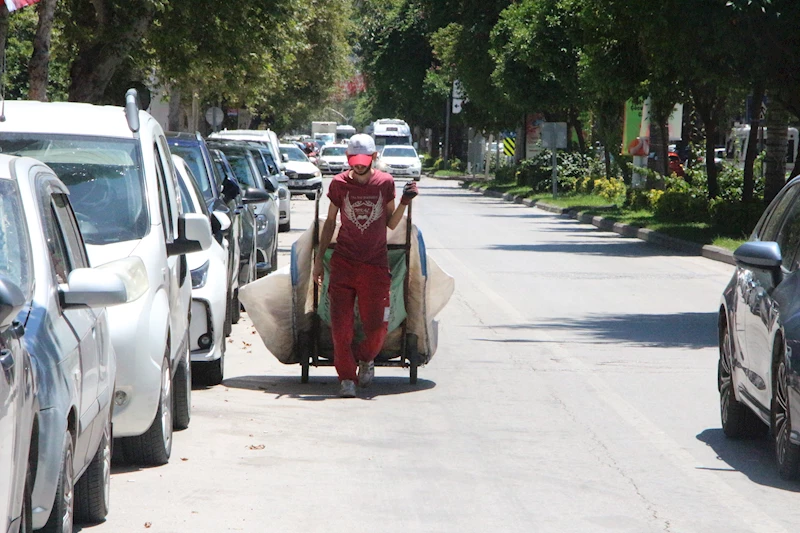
[242, 158]
[123, 185]
[220, 194]
[269, 168]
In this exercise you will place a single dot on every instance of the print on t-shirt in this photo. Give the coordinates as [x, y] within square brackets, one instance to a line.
[363, 212]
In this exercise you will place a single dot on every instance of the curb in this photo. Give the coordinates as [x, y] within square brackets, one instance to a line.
[708, 251]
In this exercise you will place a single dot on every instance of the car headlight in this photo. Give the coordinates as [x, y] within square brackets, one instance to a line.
[323, 163]
[283, 193]
[200, 275]
[318, 174]
[261, 222]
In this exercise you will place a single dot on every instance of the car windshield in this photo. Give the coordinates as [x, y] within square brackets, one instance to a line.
[241, 167]
[334, 150]
[14, 248]
[104, 176]
[194, 159]
[399, 152]
[294, 154]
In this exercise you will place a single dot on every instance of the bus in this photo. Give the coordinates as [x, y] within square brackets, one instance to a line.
[389, 131]
[739, 138]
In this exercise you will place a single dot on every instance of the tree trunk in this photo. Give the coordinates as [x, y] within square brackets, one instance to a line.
[576, 124]
[174, 114]
[607, 158]
[658, 147]
[3, 32]
[39, 66]
[435, 143]
[98, 59]
[748, 186]
[777, 123]
[708, 105]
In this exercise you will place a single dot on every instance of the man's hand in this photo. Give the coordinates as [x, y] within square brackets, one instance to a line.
[409, 192]
[318, 272]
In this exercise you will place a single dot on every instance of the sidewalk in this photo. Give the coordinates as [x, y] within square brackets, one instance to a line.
[708, 251]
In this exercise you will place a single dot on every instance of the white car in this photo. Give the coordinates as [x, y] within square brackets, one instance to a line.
[209, 288]
[123, 187]
[333, 159]
[309, 178]
[401, 161]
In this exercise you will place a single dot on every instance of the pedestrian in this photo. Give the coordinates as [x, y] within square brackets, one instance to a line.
[359, 266]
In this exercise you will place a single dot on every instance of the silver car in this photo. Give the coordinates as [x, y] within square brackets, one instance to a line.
[63, 326]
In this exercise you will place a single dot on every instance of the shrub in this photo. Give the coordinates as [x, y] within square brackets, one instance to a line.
[735, 218]
[612, 189]
[428, 161]
[505, 174]
[585, 185]
[681, 206]
[439, 164]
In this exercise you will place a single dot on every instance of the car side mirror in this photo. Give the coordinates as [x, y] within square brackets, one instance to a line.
[223, 219]
[270, 183]
[255, 196]
[194, 235]
[89, 287]
[11, 301]
[285, 158]
[762, 255]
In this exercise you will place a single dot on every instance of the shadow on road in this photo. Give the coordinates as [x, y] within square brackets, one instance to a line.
[752, 457]
[630, 248]
[324, 387]
[679, 330]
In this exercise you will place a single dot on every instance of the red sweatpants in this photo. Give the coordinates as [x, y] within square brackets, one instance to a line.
[351, 279]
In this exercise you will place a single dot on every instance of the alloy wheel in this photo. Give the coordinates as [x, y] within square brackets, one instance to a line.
[166, 407]
[724, 377]
[781, 420]
[68, 493]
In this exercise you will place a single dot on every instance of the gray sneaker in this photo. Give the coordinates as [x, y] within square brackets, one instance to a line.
[366, 371]
[347, 389]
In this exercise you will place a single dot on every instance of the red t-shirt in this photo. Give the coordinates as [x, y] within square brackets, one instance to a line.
[362, 235]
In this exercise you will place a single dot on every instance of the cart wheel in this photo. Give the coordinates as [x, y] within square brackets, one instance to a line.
[304, 372]
[412, 356]
[412, 377]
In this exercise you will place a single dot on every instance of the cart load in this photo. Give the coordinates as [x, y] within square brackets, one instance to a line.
[292, 314]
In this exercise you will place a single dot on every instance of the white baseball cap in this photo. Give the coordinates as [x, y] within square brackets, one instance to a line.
[360, 148]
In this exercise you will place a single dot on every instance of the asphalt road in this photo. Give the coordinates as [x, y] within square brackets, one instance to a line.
[574, 390]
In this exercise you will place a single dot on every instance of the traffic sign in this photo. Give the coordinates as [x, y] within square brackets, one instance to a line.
[214, 116]
[509, 146]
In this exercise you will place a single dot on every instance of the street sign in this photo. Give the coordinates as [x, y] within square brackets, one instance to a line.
[457, 103]
[554, 135]
[509, 146]
[459, 97]
[214, 117]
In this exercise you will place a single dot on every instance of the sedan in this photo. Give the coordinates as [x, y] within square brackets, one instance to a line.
[401, 161]
[64, 326]
[207, 326]
[759, 334]
[333, 159]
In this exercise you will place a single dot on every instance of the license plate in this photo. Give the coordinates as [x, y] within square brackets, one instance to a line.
[399, 171]
[296, 183]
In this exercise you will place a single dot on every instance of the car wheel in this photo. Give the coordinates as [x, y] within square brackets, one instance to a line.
[236, 308]
[311, 196]
[227, 326]
[154, 447]
[93, 489]
[61, 515]
[737, 419]
[787, 453]
[213, 371]
[182, 395]
[273, 264]
[283, 228]
[417, 178]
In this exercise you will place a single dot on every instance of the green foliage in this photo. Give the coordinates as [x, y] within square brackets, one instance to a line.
[505, 174]
[735, 217]
[682, 206]
[613, 190]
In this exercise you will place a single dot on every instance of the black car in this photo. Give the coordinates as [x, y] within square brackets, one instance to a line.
[759, 334]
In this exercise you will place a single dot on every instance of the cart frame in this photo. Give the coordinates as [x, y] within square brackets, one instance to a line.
[309, 349]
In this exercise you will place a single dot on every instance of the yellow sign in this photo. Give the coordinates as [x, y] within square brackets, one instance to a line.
[509, 145]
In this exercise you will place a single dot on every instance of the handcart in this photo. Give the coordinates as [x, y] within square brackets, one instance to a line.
[315, 347]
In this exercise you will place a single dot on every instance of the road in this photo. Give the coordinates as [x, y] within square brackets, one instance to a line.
[574, 390]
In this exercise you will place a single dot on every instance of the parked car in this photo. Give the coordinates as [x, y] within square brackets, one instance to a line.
[261, 195]
[759, 334]
[333, 159]
[213, 186]
[401, 161]
[210, 301]
[120, 174]
[247, 271]
[64, 327]
[269, 169]
[18, 391]
[309, 177]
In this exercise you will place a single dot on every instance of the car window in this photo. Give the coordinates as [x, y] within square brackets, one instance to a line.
[242, 169]
[334, 150]
[398, 152]
[56, 243]
[770, 229]
[272, 167]
[294, 154]
[104, 176]
[69, 229]
[194, 159]
[15, 252]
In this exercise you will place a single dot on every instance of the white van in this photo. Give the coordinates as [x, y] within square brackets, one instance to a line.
[123, 188]
[739, 138]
